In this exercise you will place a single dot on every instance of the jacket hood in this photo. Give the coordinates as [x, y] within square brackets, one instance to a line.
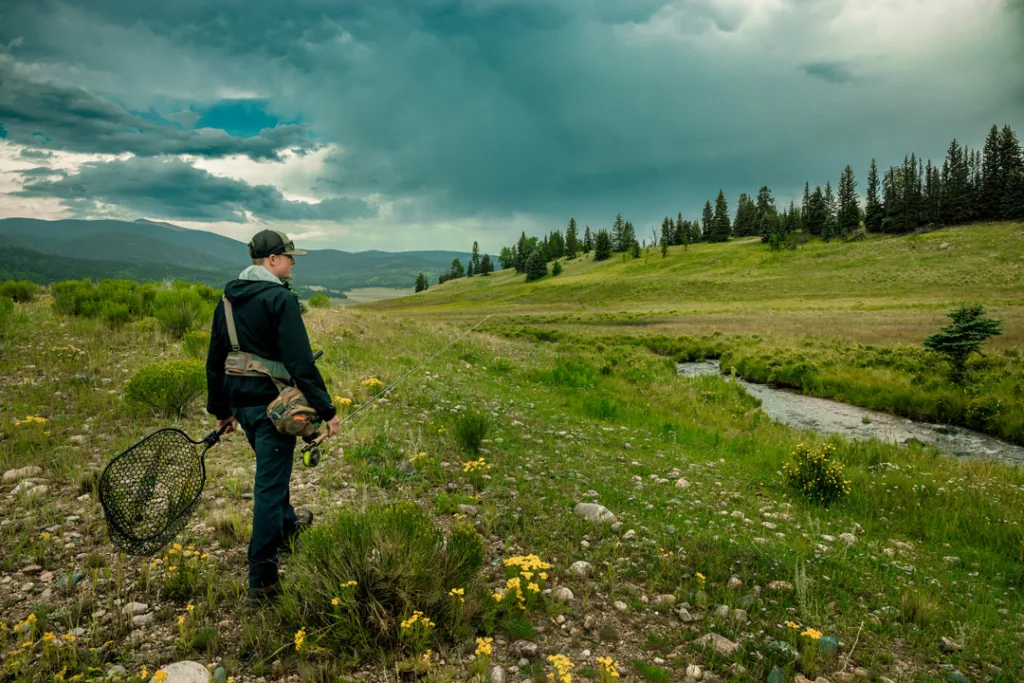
[238, 291]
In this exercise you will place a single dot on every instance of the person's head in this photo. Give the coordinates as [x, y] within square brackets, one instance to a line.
[274, 251]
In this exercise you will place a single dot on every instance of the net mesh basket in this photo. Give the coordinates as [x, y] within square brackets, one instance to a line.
[149, 491]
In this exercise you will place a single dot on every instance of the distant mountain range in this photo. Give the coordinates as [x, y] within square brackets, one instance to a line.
[47, 251]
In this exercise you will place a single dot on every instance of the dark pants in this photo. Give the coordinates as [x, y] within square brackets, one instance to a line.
[273, 517]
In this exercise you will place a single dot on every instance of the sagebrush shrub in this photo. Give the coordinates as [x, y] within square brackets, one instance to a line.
[320, 301]
[816, 474]
[471, 429]
[180, 311]
[21, 291]
[83, 298]
[359, 576]
[196, 343]
[169, 388]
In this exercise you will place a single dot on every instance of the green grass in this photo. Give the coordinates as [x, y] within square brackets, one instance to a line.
[561, 414]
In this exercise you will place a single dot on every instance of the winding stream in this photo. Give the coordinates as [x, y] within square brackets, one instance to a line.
[832, 417]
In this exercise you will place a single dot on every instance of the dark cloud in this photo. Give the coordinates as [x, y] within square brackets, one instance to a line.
[454, 109]
[34, 154]
[69, 118]
[175, 190]
[830, 72]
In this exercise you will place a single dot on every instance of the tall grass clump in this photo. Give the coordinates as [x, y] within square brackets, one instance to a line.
[181, 310]
[10, 324]
[383, 582]
[471, 428]
[196, 343]
[109, 299]
[169, 388]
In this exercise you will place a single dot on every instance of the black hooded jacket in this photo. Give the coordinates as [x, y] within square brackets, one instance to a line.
[269, 324]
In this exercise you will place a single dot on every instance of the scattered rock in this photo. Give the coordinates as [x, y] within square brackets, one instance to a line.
[664, 600]
[629, 535]
[949, 645]
[77, 438]
[620, 606]
[497, 675]
[682, 484]
[524, 649]
[117, 670]
[469, 510]
[779, 586]
[617, 527]
[722, 612]
[133, 608]
[944, 245]
[143, 619]
[31, 569]
[843, 677]
[564, 594]
[77, 632]
[723, 646]
[694, 672]
[581, 568]
[685, 616]
[12, 476]
[739, 617]
[595, 513]
[185, 672]
[734, 582]
[848, 538]
[949, 559]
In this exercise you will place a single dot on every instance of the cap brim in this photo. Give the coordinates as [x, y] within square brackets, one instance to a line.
[295, 252]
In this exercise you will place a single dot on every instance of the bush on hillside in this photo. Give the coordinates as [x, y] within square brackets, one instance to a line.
[10, 323]
[107, 300]
[816, 475]
[471, 429]
[169, 388]
[556, 269]
[536, 267]
[359, 579]
[180, 311]
[196, 343]
[21, 291]
[320, 301]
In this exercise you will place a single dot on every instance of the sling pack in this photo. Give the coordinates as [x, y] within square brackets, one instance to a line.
[289, 412]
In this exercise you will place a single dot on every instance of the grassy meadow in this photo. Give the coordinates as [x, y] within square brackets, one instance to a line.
[479, 459]
[836, 320]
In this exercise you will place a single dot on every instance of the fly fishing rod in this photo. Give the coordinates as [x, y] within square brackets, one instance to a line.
[311, 452]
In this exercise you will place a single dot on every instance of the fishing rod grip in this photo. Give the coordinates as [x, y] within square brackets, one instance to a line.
[315, 442]
[317, 354]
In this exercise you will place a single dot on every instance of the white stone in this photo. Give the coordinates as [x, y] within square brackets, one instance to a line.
[564, 594]
[694, 672]
[664, 600]
[11, 476]
[185, 672]
[497, 675]
[620, 606]
[734, 582]
[143, 619]
[629, 535]
[581, 568]
[682, 484]
[133, 608]
[848, 538]
[722, 645]
[595, 512]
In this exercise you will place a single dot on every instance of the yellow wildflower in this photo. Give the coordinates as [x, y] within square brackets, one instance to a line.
[47, 637]
[793, 625]
[300, 638]
[144, 673]
[27, 644]
[44, 535]
[812, 634]
[335, 601]
[160, 676]
[191, 607]
[181, 620]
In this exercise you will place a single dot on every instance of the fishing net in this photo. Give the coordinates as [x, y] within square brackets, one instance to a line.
[149, 491]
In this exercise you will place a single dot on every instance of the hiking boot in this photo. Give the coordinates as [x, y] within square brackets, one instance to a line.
[261, 597]
[304, 522]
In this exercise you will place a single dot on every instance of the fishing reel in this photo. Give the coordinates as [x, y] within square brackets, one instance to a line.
[311, 451]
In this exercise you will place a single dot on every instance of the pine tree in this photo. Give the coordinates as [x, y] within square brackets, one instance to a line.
[679, 234]
[618, 234]
[474, 260]
[521, 254]
[765, 213]
[634, 250]
[572, 243]
[828, 228]
[506, 258]
[745, 223]
[536, 266]
[602, 245]
[421, 283]
[805, 207]
[456, 271]
[588, 241]
[1012, 160]
[848, 215]
[873, 213]
[628, 237]
[486, 267]
[707, 218]
[664, 246]
[720, 222]
[667, 233]
[956, 186]
[993, 178]
[469, 269]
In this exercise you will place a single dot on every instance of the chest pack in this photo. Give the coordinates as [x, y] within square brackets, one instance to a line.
[290, 413]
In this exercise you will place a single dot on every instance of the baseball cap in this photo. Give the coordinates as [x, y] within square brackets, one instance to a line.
[270, 242]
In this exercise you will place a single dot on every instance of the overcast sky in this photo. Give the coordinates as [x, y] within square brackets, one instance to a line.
[431, 123]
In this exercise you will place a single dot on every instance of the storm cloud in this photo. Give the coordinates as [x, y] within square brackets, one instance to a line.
[177, 190]
[521, 113]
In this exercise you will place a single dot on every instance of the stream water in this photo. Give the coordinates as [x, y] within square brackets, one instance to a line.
[832, 417]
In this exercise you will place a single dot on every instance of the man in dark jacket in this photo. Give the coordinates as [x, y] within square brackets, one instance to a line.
[268, 324]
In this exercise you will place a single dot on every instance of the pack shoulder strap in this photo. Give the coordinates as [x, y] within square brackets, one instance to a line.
[229, 317]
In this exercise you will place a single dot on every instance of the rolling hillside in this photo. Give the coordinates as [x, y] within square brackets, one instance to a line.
[195, 254]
